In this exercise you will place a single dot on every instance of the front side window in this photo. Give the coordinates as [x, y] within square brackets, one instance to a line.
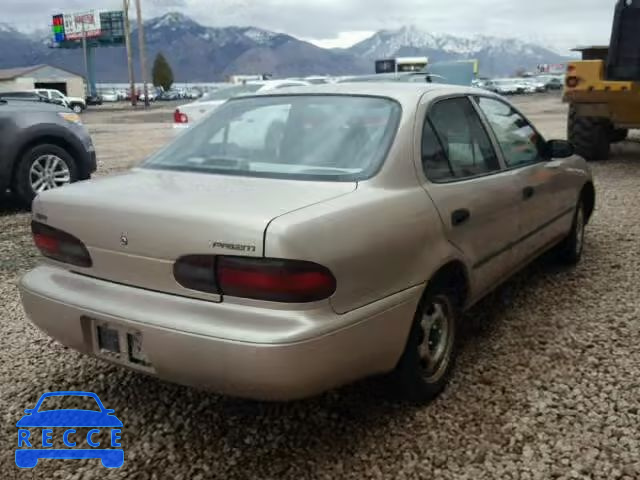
[464, 142]
[323, 137]
[58, 95]
[519, 142]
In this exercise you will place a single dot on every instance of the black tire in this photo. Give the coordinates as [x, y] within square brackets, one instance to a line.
[590, 136]
[22, 185]
[569, 252]
[619, 135]
[412, 381]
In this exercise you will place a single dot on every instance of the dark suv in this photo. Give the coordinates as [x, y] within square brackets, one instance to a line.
[43, 146]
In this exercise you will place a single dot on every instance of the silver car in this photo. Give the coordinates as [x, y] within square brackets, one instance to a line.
[291, 243]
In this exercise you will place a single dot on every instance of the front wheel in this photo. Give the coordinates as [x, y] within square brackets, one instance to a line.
[427, 362]
[43, 167]
[77, 108]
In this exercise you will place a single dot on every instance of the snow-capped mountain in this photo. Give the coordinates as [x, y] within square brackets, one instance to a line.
[201, 53]
[176, 26]
[497, 56]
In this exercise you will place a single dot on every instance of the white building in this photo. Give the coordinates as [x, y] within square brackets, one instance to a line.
[42, 76]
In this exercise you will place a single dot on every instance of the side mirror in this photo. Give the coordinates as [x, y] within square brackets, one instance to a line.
[109, 411]
[559, 149]
[29, 410]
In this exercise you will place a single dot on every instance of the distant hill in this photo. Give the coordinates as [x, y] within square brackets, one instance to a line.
[496, 56]
[201, 53]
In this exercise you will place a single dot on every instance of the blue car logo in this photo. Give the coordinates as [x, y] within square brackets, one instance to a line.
[32, 446]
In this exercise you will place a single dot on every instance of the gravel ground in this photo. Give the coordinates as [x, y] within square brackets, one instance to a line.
[546, 387]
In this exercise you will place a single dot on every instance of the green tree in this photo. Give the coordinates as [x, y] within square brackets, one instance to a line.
[162, 73]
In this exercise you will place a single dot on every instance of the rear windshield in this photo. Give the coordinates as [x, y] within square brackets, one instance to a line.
[230, 92]
[314, 137]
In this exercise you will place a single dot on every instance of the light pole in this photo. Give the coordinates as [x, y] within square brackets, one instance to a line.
[86, 59]
[143, 55]
[127, 42]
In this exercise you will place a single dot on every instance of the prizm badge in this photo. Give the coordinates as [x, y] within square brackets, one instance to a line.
[233, 246]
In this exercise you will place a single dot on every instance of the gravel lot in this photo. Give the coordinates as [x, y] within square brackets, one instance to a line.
[546, 387]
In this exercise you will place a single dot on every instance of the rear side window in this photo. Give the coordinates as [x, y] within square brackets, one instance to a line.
[463, 142]
[519, 142]
[434, 161]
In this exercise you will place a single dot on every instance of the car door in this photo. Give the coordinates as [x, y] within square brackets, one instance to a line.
[475, 197]
[547, 200]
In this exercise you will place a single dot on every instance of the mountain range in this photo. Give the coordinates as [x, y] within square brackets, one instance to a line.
[200, 53]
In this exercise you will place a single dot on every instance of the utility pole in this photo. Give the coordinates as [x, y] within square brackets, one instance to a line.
[86, 59]
[143, 55]
[127, 42]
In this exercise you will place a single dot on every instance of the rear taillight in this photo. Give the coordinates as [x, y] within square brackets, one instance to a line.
[196, 272]
[179, 117]
[60, 246]
[274, 280]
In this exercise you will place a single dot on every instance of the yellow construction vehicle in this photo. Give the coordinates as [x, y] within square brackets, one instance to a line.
[603, 89]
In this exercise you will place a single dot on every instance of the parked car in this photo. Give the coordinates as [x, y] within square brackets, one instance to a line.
[110, 96]
[552, 82]
[171, 95]
[26, 96]
[94, 100]
[78, 105]
[506, 86]
[533, 85]
[153, 96]
[43, 147]
[192, 112]
[278, 259]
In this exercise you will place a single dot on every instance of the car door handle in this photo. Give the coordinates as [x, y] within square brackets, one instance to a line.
[460, 216]
[528, 192]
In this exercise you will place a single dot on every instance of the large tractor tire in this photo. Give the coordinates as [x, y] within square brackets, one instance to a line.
[619, 135]
[590, 136]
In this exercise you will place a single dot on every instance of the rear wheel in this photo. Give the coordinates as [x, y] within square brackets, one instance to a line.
[570, 250]
[590, 136]
[43, 167]
[427, 362]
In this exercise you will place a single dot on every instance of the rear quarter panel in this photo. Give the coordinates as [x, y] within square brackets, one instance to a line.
[376, 241]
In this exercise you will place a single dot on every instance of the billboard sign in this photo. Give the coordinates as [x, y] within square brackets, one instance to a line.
[556, 68]
[101, 27]
[77, 23]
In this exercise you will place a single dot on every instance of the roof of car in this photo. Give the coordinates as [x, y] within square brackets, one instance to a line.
[22, 105]
[400, 91]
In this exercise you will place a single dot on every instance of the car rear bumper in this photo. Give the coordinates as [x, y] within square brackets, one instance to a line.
[238, 350]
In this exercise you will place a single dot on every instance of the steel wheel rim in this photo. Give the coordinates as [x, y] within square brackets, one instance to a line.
[579, 230]
[48, 172]
[436, 339]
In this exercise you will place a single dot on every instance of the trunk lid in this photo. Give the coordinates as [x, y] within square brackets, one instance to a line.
[135, 225]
